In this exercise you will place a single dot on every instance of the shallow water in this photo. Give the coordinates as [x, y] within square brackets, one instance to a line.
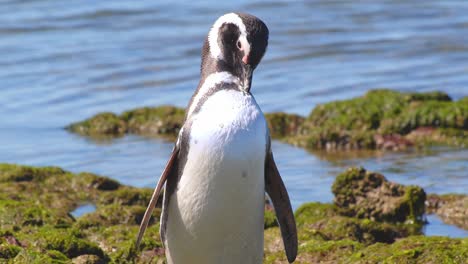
[64, 61]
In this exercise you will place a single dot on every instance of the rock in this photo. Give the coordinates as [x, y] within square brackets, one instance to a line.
[327, 237]
[36, 227]
[382, 119]
[414, 249]
[163, 120]
[392, 142]
[363, 194]
[105, 184]
[284, 125]
[451, 208]
[88, 259]
[323, 221]
[100, 125]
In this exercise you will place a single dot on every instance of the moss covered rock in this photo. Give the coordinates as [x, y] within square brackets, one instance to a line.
[164, 120]
[327, 237]
[451, 208]
[35, 221]
[323, 221]
[36, 225]
[363, 194]
[415, 249]
[100, 124]
[158, 121]
[283, 125]
[382, 119]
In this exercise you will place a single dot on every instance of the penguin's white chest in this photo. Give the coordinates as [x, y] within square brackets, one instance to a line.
[216, 213]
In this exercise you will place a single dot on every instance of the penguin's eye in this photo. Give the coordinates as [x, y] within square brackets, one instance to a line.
[239, 45]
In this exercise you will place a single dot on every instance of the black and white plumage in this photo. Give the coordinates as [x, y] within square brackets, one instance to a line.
[222, 163]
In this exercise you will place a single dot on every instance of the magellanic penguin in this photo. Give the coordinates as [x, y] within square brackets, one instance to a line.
[222, 163]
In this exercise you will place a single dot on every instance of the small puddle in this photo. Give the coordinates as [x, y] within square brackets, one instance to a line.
[436, 227]
[83, 209]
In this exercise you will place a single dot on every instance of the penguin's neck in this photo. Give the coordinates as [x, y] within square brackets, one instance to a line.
[211, 65]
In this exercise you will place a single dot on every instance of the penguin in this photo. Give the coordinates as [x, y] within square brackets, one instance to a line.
[222, 162]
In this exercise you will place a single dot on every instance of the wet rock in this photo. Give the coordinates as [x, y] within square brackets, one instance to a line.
[157, 121]
[451, 208]
[363, 194]
[35, 228]
[392, 142]
[163, 120]
[105, 184]
[334, 240]
[414, 249]
[100, 124]
[39, 228]
[88, 259]
[323, 221]
[382, 119]
[283, 125]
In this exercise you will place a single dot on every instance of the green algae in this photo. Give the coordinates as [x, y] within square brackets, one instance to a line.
[159, 121]
[324, 222]
[163, 120]
[35, 206]
[8, 251]
[315, 246]
[100, 124]
[381, 119]
[355, 123]
[283, 125]
[270, 219]
[363, 194]
[415, 249]
[34, 229]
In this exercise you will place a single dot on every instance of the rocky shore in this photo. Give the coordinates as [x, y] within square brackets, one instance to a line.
[371, 220]
[381, 119]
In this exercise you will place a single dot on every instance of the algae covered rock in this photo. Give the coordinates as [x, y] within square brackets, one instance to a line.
[415, 249]
[325, 236]
[363, 194]
[163, 120]
[36, 225]
[383, 119]
[324, 221]
[451, 208]
[100, 124]
[283, 125]
[157, 121]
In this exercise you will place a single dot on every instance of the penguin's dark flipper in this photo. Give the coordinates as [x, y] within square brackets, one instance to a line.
[154, 198]
[276, 190]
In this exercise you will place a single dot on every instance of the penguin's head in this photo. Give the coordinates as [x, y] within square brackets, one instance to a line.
[237, 43]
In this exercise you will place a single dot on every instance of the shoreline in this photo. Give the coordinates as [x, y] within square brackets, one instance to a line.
[36, 223]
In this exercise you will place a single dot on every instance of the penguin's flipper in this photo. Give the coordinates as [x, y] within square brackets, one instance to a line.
[154, 198]
[276, 190]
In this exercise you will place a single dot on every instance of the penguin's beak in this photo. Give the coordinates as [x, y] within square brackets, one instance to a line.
[247, 78]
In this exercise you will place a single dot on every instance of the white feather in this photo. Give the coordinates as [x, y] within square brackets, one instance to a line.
[216, 213]
[211, 81]
[215, 49]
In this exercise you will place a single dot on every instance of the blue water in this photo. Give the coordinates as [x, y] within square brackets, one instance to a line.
[83, 209]
[63, 61]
